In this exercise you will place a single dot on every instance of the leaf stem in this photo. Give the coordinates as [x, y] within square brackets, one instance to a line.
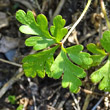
[77, 22]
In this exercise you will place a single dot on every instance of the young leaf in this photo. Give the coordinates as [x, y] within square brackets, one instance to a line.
[35, 64]
[97, 59]
[20, 107]
[39, 43]
[95, 49]
[81, 58]
[12, 99]
[58, 30]
[32, 26]
[103, 75]
[99, 54]
[71, 73]
[105, 41]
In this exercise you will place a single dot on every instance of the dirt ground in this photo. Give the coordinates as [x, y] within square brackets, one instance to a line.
[47, 94]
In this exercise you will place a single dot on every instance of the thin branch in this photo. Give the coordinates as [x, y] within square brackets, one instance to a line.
[88, 96]
[9, 62]
[101, 99]
[86, 102]
[33, 91]
[6, 86]
[77, 22]
[105, 13]
[37, 4]
[91, 92]
[76, 101]
[58, 9]
[83, 38]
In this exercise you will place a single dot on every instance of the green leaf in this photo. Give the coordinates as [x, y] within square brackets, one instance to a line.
[99, 54]
[32, 26]
[71, 73]
[97, 59]
[24, 18]
[39, 63]
[28, 30]
[39, 43]
[20, 107]
[12, 99]
[95, 49]
[102, 75]
[81, 58]
[105, 41]
[58, 30]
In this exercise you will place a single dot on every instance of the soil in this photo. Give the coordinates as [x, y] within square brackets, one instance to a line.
[47, 94]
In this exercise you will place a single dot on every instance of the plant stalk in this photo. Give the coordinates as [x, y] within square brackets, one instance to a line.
[105, 13]
[77, 22]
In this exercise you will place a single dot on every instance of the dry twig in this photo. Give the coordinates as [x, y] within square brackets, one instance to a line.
[101, 99]
[76, 102]
[58, 9]
[77, 22]
[16, 77]
[9, 62]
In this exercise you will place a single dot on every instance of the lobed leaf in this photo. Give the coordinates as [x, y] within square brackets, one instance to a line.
[81, 58]
[71, 73]
[32, 26]
[39, 63]
[24, 18]
[39, 43]
[102, 75]
[105, 41]
[97, 59]
[58, 30]
[95, 49]
[99, 54]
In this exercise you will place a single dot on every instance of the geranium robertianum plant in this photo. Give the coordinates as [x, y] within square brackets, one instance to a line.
[71, 62]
